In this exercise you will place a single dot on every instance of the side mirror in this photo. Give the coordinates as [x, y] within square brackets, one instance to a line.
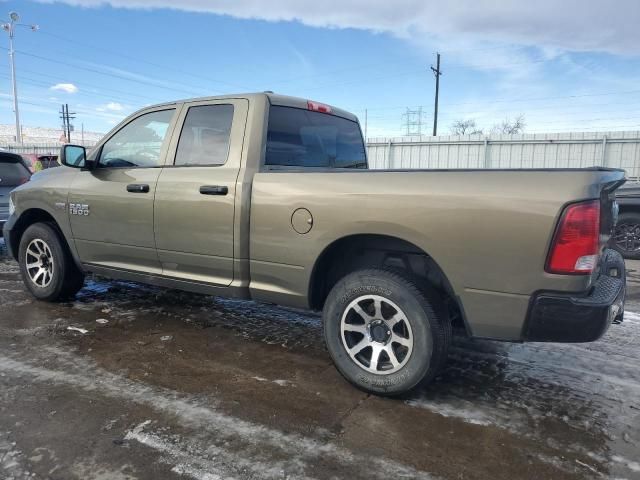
[73, 156]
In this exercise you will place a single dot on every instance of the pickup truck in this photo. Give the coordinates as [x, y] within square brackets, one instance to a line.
[268, 197]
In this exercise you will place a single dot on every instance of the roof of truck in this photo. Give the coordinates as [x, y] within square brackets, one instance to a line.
[274, 99]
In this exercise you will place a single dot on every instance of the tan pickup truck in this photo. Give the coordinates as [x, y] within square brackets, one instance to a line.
[268, 197]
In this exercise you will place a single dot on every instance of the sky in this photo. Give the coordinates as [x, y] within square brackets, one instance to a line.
[564, 65]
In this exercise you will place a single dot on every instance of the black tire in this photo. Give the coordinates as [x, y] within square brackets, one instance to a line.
[430, 331]
[628, 223]
[64, 278]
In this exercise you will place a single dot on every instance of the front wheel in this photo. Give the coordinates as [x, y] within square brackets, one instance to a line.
[47, 269]
[383, 333]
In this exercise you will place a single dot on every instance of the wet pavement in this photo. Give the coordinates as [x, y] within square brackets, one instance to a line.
[153, 384]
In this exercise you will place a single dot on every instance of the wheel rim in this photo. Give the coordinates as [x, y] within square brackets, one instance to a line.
[39, 263]
[627, 237]
[376, 334]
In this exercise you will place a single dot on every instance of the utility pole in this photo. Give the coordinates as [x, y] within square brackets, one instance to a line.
[437, 73]
[10, 28]
[63, 117]
[66, 117]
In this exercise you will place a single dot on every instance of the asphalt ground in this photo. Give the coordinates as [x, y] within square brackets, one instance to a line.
[160, 384]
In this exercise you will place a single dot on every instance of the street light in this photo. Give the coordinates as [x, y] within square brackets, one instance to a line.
[10, 28]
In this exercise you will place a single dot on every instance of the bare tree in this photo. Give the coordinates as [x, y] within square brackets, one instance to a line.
[510, 126]
[465, 127]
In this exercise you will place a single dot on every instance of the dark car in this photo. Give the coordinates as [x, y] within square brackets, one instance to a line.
[38, 162]
[626, 238]
[14, 171]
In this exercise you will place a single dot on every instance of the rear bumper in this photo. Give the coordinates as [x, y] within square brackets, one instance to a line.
[576, 318]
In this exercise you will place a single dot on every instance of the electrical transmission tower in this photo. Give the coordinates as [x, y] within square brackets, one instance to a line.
[413, 121]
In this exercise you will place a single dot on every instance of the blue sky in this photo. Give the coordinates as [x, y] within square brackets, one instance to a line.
[565, 68]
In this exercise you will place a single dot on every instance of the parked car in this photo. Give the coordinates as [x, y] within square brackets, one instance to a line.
[14, 171]
[39, 162]
[269, 197]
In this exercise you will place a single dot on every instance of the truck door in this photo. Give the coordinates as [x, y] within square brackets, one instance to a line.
[111, 207]
[195, 196]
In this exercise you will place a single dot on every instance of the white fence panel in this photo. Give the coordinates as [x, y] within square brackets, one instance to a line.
[557, 150]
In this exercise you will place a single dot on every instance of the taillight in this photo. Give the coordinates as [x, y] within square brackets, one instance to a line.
[318, 107]
[576, 243]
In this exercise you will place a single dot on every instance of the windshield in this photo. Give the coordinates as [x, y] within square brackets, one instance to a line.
[13, 174]
[302, 138]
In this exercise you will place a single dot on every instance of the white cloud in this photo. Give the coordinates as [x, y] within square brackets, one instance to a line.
[111, 107]
[65, 87]
[574, 25]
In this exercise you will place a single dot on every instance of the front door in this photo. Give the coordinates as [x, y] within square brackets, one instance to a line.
[196, 193]
[111, 206]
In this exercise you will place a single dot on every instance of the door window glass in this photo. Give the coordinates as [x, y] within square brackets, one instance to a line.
[204, 139]
[138, 144]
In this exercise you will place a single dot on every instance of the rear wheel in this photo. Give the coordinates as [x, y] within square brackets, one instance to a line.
[382, 332]
[47, 269]
[626, 236]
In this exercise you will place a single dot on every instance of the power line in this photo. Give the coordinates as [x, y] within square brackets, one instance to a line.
[108, 74]
[85, 84]
[39, 83]
[140, 60]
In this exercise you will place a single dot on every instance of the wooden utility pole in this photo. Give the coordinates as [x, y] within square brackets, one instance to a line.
[437, 73]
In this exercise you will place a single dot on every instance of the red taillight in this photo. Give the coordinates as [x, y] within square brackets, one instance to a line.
[576, 243]
[318, 107]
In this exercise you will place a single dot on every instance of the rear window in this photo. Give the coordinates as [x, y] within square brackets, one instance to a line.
[302, 138]
[13, 174]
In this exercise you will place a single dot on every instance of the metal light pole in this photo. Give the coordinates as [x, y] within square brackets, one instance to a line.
[10, 27]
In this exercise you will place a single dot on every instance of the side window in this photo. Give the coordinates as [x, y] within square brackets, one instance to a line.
[204, 139]
[138, 143]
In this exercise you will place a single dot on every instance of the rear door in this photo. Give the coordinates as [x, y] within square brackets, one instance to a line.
[111, 206]
[195, 196]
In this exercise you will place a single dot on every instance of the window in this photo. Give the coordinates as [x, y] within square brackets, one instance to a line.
[204, 139]
[13, 173]
[302, 138]
[138, 143]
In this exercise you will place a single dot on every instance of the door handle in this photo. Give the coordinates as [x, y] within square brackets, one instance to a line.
[214, 190]
[138, 188]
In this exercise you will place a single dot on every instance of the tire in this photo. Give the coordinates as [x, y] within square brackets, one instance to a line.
[626, 236]
[356, 327]
[52, 275]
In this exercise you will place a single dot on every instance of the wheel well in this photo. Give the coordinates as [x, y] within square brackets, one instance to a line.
[28, 218]
[382, 251]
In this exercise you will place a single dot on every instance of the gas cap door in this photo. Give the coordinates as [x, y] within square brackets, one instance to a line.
[302, 220]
